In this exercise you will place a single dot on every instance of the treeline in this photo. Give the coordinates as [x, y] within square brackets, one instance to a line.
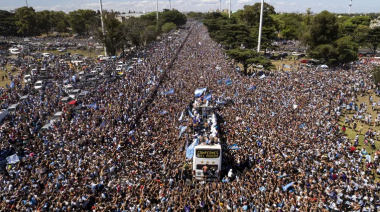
[118, 37]
[333, 38]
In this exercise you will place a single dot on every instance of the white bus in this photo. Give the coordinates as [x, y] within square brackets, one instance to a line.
[209, 156]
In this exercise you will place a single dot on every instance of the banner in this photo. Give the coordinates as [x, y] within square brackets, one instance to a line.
[163, 112]
[190, 149]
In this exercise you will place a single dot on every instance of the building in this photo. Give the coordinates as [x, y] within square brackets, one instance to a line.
[123, 17]
[375, 23]
[211, 11]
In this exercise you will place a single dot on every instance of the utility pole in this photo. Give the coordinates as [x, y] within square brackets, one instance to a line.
[101, 19]
[349, 7]
[157, 10]
[261, 26]
[229, 11]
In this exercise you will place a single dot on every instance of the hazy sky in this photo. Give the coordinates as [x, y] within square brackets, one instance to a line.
[337, 6]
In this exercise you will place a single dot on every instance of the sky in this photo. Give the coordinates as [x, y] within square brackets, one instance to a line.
[336, 6]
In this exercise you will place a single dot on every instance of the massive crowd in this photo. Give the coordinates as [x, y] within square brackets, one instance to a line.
[125, 154]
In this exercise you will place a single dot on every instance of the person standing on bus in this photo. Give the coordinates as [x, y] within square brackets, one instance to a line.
[205, 169]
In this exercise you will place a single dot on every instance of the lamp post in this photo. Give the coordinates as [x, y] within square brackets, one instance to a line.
[220, 6]
[26, 1]
[170, 4]
[157, 10]
[229, 11]
[101, 19]
[261, 26]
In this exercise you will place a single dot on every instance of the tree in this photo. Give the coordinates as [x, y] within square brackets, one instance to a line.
[376, 75]
[26, 21]
[267, 64]
[251, 14]
[327, 52]
[113, 35]
[242, 55]
[167, 27]
[173, 16]
[292, 25]
[81, 21]
[346, 49]
[7, 23]
[372, 39]
[323, 30]
[267, 35]
[59, 21]
[44, 23]
[132, 29]
[148, 34]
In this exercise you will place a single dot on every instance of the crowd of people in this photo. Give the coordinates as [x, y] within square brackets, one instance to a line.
[125, 153]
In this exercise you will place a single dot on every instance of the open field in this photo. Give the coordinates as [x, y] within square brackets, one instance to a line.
[5, 73]
[352, 133]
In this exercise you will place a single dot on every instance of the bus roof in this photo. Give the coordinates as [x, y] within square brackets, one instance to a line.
[206, 146]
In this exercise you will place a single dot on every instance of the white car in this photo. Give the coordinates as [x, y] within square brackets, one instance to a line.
[27, 78]
[38, 85]
[68, 88]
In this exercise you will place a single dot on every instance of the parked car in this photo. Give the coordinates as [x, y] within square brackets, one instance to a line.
[39, 85]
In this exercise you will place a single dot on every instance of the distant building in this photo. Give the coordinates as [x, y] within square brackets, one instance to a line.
[211, 10]
[375, 23]
[123, 17]
[225, 11]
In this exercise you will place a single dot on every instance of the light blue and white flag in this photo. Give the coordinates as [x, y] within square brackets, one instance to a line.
[190, 149]
[171, 91]
[208, 97]
[190, 114]
[200, 91]
[287, 186]
[181, 117]
[181, 130]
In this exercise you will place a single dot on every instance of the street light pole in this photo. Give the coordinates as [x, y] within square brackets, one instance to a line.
[229, 11]
[261, 26]
[157, 10]
[220, 6]
[26, 1]
[170, 3]
[101, 19]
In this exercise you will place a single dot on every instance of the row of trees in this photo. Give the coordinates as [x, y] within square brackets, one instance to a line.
[136, 31]
[119, 36]
[327, 36]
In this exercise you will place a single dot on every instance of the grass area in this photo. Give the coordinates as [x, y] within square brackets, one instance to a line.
[351, 133]
[3, 73]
